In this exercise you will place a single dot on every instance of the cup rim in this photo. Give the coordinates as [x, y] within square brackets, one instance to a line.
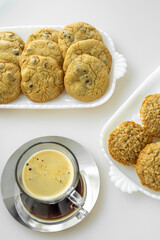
[43, 201]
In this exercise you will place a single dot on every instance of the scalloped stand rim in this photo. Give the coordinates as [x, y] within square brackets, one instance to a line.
[121, 181]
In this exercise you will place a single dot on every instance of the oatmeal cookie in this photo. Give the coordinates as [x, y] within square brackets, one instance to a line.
[9, 51]
[75, 32]
[49, 34]
[126, 142]
[10, 82]
[86, 78]
[148, 166]
[43, 48]
[90, 46]
[42, 78]
[12, 37]
[150, 114]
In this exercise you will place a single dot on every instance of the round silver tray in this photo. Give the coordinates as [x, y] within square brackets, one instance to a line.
[88, 171]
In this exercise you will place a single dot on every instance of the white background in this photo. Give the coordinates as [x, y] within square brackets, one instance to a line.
[135, 29]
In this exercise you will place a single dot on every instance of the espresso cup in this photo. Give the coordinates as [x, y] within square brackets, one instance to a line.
[48, 172]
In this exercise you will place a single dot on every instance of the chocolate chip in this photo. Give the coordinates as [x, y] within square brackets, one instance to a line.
[45, 64]
[89, 81]
[64, 34]
[30, 169]
[15, 51]
[71, 38]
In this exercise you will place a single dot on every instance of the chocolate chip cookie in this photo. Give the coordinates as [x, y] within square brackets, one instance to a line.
[12, 37]
[42, 78]
[148, 166]
[44, 34]
[75, 32]
[90, 46]
[150, 114]
[43, 48]
[10, 82]
[126, 142]
[10, 51]
[86, 78]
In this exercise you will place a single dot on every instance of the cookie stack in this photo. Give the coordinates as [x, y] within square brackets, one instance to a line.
[132, 144]
[74, 59]
[11, 46]
[41, 66]
[87, 61]
[86, 66]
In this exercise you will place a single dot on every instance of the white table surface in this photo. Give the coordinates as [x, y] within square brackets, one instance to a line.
[134, 27]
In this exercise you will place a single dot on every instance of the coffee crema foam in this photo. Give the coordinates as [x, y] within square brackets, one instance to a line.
[47, 175]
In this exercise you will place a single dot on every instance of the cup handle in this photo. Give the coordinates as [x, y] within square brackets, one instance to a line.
[78, 201]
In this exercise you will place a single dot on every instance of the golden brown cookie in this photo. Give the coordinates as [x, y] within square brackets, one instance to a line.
[12, 37]
[49, 34]
[10, 82]
[90, 46]
[148, 166]
[126, 142]
[75, 32]
[150, 114]
[86, 78]
[42, 78]
[42, 48]
[9, 51]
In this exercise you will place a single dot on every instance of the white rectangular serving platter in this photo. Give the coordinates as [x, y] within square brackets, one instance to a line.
[125, 177]
[65, 101]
